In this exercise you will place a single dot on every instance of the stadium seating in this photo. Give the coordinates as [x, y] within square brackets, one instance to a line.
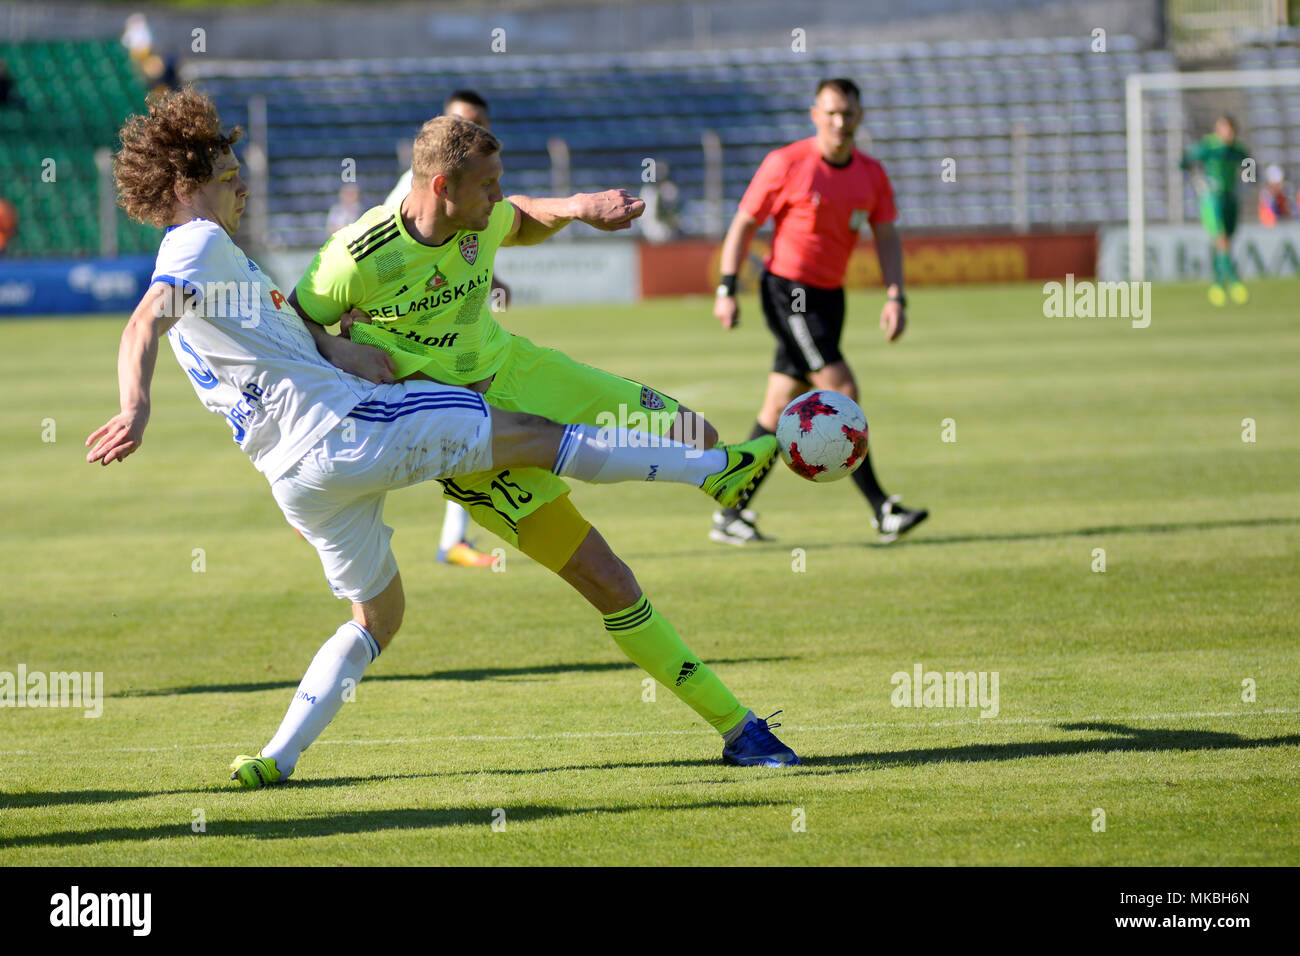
[1271, 115]
[925, 102]
[68, 100]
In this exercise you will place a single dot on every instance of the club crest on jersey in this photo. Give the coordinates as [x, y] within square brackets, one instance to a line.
[650, 399]
[437, 280]
[469, 247]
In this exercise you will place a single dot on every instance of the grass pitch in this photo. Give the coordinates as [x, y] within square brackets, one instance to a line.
[1163, 692]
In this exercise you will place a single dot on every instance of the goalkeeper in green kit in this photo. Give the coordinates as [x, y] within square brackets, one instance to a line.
[1220, 156]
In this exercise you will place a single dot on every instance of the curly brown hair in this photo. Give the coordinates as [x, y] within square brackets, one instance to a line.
[173, 146]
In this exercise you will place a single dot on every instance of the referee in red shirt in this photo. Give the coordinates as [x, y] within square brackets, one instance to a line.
[819, 192]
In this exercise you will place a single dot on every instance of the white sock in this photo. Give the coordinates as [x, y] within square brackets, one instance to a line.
[730, 736]
[332, 676]
[604, 456]
[454, 523]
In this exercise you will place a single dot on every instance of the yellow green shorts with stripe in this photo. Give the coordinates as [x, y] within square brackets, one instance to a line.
[547, 382]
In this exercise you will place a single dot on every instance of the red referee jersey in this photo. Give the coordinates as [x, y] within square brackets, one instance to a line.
[818, 209]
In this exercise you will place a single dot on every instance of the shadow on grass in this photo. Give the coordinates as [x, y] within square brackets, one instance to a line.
[1125, 739]
[58, 798]
[1168, 527]
[55, 798]
[469, 674]
[331, 824]
[923, 539]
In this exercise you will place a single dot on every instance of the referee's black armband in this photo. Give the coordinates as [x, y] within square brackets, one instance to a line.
[728, 285]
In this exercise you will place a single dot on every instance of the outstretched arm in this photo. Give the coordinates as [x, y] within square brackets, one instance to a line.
[536, 220]
[136, 357]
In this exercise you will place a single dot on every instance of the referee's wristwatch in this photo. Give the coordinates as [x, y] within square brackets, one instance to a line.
[727, 287]
[900, 299]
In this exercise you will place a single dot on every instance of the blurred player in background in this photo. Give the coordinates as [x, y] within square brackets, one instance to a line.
[819, 192]
[159, 72]
[346, 210]
[660, 195]
[1274, 203]
[1218, 158]
[332, 439]
[454, 547]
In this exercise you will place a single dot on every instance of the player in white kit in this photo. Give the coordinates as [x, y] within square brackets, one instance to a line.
[331, 439]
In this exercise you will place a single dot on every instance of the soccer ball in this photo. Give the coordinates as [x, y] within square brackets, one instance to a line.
[822, 436]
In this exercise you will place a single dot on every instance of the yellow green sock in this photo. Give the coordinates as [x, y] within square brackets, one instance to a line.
[653, 645]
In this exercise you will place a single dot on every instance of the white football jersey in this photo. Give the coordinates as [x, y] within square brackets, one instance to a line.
[246, 351]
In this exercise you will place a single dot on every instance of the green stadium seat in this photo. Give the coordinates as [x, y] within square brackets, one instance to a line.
[75, 96]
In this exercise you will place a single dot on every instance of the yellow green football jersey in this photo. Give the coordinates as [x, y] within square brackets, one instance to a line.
[429, 305]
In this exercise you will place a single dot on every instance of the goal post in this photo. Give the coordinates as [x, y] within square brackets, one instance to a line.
[1138, 84]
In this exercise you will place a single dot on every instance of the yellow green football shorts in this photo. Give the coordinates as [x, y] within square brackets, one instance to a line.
[547, 382]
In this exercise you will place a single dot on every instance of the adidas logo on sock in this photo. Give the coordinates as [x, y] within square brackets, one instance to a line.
[688, 669]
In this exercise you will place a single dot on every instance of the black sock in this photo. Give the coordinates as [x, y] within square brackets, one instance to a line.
[731, 514]
[865, 479]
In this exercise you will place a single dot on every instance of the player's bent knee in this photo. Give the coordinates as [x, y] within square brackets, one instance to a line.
[837, 378]
[553, 533]
[781, 391]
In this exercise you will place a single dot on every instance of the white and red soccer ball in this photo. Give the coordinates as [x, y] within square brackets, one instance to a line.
[822, 436]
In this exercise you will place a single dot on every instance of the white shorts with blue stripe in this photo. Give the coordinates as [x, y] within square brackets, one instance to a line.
[399, 435]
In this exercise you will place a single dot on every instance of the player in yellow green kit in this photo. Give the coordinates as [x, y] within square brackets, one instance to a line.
[454, 545]
[420, 273]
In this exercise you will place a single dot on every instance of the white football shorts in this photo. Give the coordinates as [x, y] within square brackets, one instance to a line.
[400, 435]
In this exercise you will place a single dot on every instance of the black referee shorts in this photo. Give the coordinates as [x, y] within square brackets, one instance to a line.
[808, 331]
